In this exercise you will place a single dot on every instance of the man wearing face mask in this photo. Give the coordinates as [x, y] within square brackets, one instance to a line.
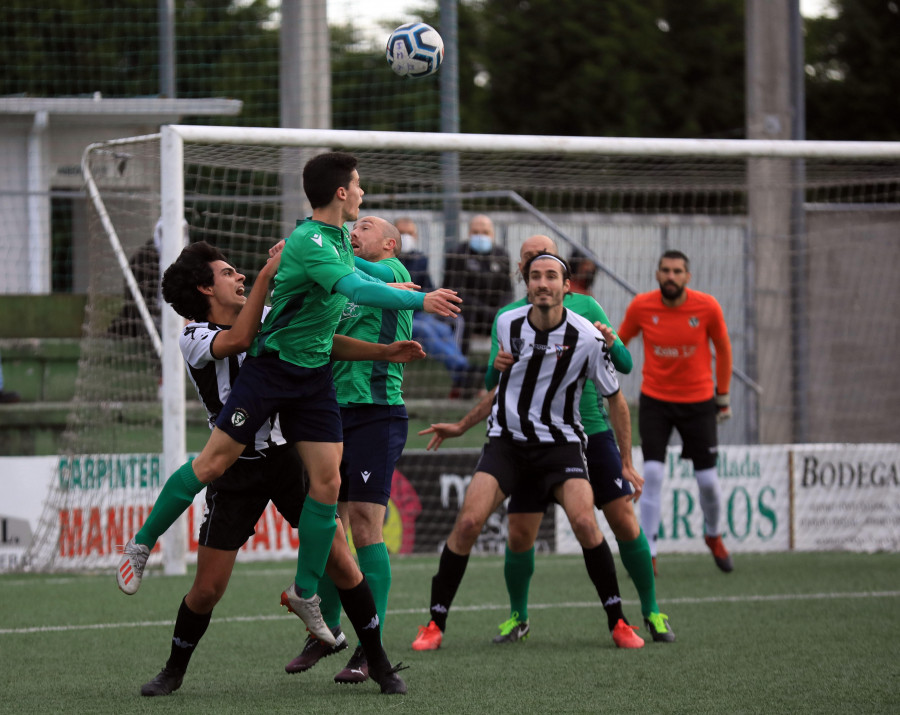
[583, 273]
[435, 335]
[479, 270]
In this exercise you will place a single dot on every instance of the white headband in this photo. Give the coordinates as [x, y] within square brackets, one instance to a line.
[550, 255]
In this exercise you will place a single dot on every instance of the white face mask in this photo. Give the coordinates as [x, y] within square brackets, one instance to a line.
[409, 242]
[480, 243]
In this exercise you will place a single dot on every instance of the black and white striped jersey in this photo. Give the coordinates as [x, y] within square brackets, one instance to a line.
[537, 398]
[213, 378]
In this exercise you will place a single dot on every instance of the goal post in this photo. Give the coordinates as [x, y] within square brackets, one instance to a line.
[807, 302]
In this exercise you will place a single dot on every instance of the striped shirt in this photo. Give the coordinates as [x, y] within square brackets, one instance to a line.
[213, 379]
[537, 398]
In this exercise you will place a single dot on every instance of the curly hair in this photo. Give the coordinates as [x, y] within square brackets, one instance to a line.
[190, 270]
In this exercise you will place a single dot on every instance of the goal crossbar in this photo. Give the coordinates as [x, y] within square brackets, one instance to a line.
[498, 143]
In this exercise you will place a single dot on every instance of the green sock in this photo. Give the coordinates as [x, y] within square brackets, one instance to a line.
[316, 532]
[636, 558]
[176, 496]
[518, 568]
[331, 601]
[375, 563]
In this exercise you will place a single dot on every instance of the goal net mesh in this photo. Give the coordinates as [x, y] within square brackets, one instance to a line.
[800, 254]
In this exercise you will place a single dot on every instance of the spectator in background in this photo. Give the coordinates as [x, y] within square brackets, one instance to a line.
[583, 273]
[435, 335]
[479, 271]
[6, 397]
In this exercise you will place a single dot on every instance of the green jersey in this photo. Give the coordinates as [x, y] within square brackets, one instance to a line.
[368, 382]
[305, 312]
[593, 413]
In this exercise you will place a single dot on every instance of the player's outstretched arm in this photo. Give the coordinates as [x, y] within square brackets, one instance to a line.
[366, 290]
[238, 338]
[347, 348]
[442, 301]
[445, 430]
[620, 418]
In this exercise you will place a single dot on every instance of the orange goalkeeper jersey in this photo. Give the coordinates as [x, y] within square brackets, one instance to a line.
[677, 357]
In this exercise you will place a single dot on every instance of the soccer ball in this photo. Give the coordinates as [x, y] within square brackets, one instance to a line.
[415, 50]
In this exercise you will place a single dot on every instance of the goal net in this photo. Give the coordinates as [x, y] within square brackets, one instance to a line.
[797, 241]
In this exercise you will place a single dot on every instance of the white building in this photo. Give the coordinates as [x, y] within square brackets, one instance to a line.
[41, 186]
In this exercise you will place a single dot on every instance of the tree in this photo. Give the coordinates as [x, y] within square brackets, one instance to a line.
[853, 71]
[64, 48]
[614, 68]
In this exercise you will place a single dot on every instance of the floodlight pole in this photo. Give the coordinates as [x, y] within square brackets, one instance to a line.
[449, 79]
[166, 14]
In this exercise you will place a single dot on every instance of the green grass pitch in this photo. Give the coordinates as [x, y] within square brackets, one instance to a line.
[784, 633]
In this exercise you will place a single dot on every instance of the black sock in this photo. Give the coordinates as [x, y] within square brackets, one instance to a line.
[602, 571]
[189, 629]
[359, 605]
[444, 585]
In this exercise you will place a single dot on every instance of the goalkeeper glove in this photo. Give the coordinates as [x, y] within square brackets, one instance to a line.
[723, 407]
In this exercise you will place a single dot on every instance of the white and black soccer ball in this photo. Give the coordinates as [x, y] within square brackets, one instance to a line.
[415, 50]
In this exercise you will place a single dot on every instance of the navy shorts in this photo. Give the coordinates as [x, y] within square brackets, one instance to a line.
[528, 473]
[374, 438]
[236, 500]
[605, 467]
[302, 397]
[695, 422]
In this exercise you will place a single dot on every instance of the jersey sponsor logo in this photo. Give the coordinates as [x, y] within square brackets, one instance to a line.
[239, 417]
[693, 321]
[317, 239]
[560, 350]
[574, 470]
[365, 476]
[542, 348]
[674, 351]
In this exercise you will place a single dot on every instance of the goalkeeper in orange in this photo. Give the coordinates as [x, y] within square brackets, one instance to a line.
[678, 391]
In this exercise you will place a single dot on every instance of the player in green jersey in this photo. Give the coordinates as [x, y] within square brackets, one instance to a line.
[375, 425]
[288, 371]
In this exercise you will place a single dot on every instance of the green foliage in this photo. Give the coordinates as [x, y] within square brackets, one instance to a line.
[665, 68]
[785, 633]
[67, 48]
[851, 88]
[616, 68]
